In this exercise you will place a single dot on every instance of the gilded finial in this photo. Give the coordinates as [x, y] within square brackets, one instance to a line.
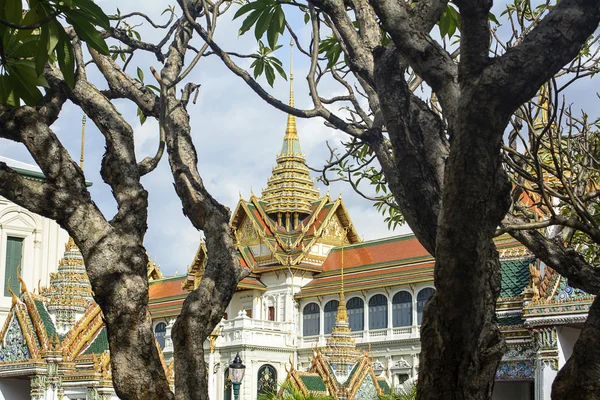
[291, 132]
[15, 300]
[70, 244]
[83, 121]
[23, 286]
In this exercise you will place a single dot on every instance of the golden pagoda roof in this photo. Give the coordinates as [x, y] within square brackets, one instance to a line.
[290, 189]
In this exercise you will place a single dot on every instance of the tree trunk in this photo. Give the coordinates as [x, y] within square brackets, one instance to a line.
[117, 270]
[461, 345]
[579, 378]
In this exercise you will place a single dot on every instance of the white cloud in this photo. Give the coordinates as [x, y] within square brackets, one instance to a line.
[237, 137]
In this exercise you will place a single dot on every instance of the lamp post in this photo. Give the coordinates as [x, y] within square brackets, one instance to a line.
[236, 374]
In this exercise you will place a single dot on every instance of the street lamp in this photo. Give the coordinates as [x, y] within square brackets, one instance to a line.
[236, 374]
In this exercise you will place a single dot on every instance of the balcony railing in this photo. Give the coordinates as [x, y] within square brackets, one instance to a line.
[369, 336]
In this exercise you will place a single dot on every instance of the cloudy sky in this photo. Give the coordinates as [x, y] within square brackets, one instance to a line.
[237, 136]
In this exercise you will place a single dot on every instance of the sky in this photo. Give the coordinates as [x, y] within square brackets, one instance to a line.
[236, 134]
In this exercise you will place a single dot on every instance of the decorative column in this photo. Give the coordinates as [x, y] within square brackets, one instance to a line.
[92, 394]
[546, 361]
[366, 317]
[168, 349]
[321, 325]
[390, 315]
[38, 387]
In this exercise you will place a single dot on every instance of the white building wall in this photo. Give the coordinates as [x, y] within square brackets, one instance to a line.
[43, 246]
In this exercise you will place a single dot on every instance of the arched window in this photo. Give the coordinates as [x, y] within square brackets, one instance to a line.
[311, 319]
[267, 380]
[226, 385]
[422, 299]
[356, 314]
[330, 313]
[160, 330]
[402, 309]
[378, 312]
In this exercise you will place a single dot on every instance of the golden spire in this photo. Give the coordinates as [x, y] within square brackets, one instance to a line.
[290, 131]
[342, 315]
[71, 245]
[83, 120]
[290, 189]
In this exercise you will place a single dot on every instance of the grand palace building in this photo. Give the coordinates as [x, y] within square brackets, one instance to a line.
[322, 309]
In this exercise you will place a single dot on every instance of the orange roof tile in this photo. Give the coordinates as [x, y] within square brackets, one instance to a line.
[167, 288]
[375, 252]
[377, 278]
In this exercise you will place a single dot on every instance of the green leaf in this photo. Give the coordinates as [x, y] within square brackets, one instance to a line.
[306, 18]
[270, 74]
[279, 69]
[262, 24]
[249, 21]
[155, 88]
[86, 31]
[26, 48]
[140, 74]
[42, 52]
[279, 19]
[13, 11]
[258, 69]
[272, 35]
[30, 94]
[93, 12]
[66, 61]
[141, 115]
[27, 70]
[444, 22]
[276, 28]
[246, 8]
[7, 93]
[493, 18]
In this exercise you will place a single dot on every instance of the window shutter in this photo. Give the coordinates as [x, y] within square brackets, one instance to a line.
[14, 258]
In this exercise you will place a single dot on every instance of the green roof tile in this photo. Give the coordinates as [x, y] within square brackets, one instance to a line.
[99, 345]
[354, 369]
[314, 383]
[511, 320]
[48, 324]
[515, 276]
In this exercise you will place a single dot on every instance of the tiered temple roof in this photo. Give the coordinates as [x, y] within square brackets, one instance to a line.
[57, 337]
[290, 190]
[70, 292]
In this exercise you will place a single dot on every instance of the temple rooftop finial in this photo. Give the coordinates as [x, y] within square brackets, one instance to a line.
[290, 189]
[291, 144]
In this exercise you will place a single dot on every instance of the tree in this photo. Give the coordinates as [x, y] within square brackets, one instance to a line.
[441, 160]
[455, 197]
[112, 248]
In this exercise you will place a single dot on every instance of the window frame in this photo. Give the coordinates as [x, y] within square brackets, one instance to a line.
[316, 312]
[360, 310]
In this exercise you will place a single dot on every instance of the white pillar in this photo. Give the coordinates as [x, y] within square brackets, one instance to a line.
[366, 317]
[544, 377]
[390, 315]
[211, 376]
[546, 361]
